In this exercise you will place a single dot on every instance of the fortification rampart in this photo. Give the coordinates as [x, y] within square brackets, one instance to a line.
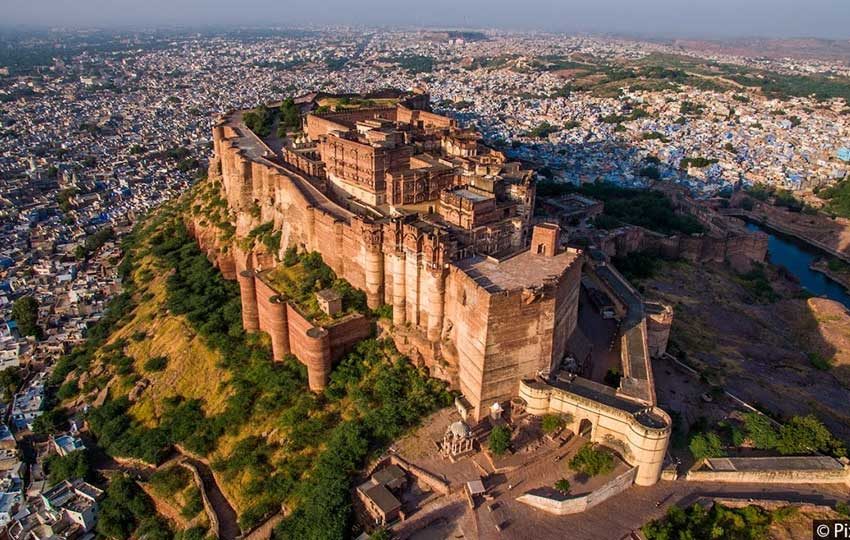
[481, 337]
[739, 248]
[317, 347]
[772, 470]
[640, 435]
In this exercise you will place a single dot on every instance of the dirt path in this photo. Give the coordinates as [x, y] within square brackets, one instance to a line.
[227, 519]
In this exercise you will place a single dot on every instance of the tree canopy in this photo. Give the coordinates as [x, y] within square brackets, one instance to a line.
[500, 440]
[592, 460]
[699, 523]
[25, 314]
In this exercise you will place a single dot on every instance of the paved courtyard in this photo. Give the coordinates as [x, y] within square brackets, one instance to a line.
[451, 517]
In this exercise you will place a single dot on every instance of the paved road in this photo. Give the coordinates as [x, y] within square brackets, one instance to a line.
[602, 335]
[632, 509]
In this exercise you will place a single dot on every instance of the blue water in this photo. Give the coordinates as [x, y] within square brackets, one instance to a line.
[796, 257]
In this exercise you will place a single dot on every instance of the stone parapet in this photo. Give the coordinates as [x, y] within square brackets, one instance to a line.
[576, 505]
[640, 434]
[771, 470]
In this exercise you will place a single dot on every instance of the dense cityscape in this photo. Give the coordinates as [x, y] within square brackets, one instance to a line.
[99, 129]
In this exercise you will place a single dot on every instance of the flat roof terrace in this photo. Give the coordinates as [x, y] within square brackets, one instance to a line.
[797, 463]
[525, 269]
[470, 195]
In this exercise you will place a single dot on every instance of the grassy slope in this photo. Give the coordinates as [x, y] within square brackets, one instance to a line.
[267, 447]
[192, 370]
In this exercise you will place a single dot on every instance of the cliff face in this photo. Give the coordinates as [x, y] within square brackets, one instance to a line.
[219, 252]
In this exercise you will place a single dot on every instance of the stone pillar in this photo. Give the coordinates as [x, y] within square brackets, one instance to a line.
[388, 279]
[436, 302]
[245, 187]
[317, 358]
[374, 276]
[399, 289]
[411, 280]
[278, 328]
[248, 293]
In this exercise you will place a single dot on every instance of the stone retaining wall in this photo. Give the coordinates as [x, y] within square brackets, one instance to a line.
[434, 482]
[575, 505]
[778, 476]
[264, 530]
[208, 508]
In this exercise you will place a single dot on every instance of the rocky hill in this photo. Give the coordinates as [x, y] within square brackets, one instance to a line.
[760, 337]
[170, 369]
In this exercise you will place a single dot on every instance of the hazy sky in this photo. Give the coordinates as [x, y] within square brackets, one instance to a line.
[721, 18]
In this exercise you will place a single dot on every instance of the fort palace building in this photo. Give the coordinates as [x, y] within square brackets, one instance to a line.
[421, 215]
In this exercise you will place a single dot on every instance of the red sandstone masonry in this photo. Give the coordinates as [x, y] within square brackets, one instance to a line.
[273, 318]
[250, 312]
[290, 332]
[393, 260]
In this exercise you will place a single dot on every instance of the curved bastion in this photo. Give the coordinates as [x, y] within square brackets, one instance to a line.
[640, 433]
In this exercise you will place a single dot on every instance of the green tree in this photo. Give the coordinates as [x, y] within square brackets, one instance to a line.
[169, 480]
[698, 523]
[49, 422]
[10, 381]
[563, 485]
[760, 430]
[68, 390]
[25, 314]
[806, 434]
[705, 445]
[126, 511]
[290, 256]
[551, 423]
[290, 117]
[500, 440]
[74, 465]
[381, 534]
[592, 460]
[157, 363]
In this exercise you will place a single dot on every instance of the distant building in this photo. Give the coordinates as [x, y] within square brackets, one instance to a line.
[66, 444]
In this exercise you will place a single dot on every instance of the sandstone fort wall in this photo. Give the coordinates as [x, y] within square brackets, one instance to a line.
[480, 341]
[642, 446]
